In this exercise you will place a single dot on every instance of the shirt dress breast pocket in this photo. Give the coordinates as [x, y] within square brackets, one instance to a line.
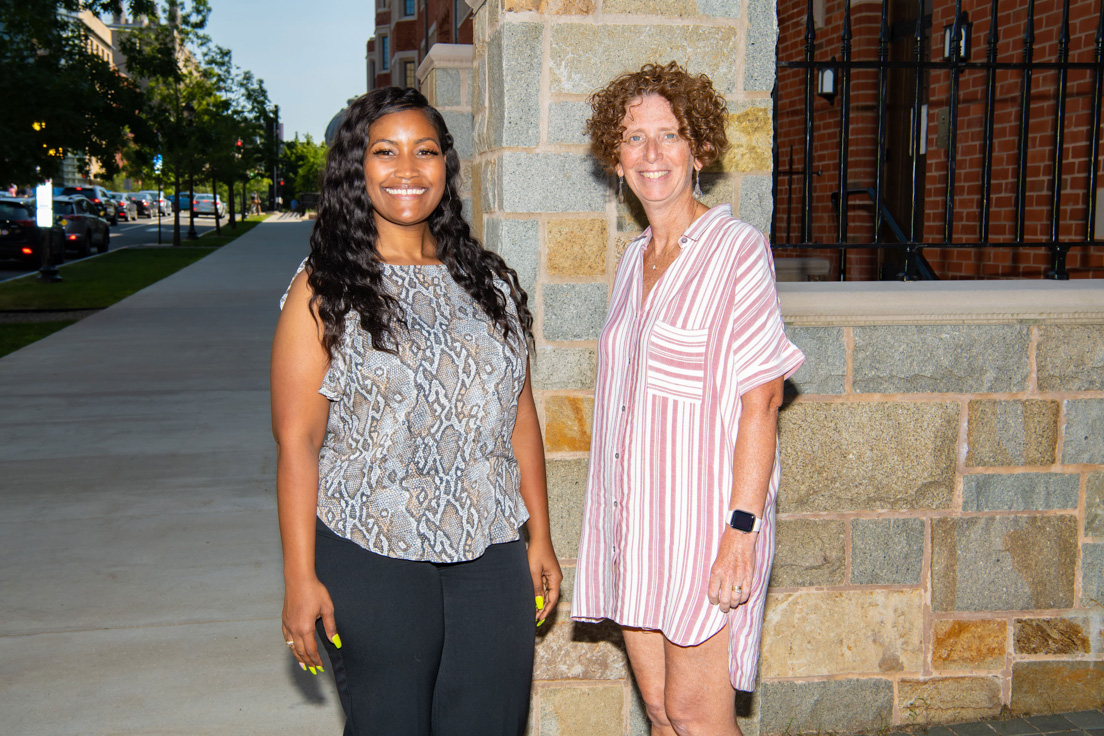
[676, 362]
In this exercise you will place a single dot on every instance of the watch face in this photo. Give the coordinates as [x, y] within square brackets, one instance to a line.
[742, 521]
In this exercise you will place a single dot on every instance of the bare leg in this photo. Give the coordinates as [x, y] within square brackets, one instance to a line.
[686, 690]
[645, 649]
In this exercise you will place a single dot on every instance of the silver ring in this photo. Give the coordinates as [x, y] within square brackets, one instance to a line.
[290, 644]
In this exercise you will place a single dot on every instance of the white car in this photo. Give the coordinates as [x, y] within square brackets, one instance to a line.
[209, 204]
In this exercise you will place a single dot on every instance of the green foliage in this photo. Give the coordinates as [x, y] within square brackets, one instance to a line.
[301, 164]
[182, 70]
[84, 107]
[58, 97]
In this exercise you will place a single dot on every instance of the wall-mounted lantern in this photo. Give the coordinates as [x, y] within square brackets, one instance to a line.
[965, 26]
[826, 83]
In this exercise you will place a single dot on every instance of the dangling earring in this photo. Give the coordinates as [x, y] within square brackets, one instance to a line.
[697, 184]
[620, 194]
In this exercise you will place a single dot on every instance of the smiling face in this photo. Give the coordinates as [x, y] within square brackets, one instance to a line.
[404, 168]
[654, 159]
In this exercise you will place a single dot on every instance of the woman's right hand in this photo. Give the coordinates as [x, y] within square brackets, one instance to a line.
[304, 603]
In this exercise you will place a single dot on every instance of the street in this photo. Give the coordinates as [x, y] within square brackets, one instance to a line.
[142, 231]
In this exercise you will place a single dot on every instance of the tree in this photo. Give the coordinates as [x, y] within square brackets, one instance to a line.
[301, 164]
[162, 57]
[60, 98]
[233, 122]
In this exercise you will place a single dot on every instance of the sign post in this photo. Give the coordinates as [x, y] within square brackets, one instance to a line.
[44, 218]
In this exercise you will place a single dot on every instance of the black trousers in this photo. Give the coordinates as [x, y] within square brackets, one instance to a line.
[430, 649]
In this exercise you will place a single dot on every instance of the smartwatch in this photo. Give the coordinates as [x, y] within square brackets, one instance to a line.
[743, 521]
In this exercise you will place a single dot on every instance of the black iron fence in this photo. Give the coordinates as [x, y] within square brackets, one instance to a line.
[904, 232]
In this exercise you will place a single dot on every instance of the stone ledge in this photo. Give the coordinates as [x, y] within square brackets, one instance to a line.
[445, 56]
[942, 302]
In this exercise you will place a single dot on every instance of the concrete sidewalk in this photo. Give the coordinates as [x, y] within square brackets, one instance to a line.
[140, 576]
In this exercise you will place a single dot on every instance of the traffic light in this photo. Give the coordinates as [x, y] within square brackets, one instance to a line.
[239, 144]
[281, 182]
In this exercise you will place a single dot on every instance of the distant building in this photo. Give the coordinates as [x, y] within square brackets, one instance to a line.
[405, 31]
[120, 24]
[99, 41]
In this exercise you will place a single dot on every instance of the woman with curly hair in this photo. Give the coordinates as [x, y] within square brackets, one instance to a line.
[409, 453]
[678, 526]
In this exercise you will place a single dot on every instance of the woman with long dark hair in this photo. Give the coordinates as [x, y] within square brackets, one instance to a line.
[409, 453]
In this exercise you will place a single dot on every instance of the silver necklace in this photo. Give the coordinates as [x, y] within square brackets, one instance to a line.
[656, 263]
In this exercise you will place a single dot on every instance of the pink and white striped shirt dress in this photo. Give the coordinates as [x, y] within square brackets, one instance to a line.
[666, 414]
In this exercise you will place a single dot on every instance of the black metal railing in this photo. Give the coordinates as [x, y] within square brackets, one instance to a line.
[909, 240]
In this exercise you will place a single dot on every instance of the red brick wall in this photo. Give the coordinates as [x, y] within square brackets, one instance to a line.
[410, 34]
[950, 263]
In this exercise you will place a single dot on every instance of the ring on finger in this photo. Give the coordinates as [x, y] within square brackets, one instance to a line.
[737, 589]
[290, 644]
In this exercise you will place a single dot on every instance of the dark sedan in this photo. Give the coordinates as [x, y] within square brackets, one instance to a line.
[99, 197]
[84, 229]
[20, 236]
[141, 203]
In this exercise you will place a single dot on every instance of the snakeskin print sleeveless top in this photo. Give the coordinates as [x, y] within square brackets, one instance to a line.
[417, 462]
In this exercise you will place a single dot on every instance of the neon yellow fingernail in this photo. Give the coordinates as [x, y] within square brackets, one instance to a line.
[541, 622]
[313, 671]
[540, 602]
[320, 669]
[336, 641]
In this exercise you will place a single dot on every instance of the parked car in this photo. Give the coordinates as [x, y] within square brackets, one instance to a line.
[209, 204]
[20, 236]
[84, 229]
[142, 204]
[159, 201]
[180, 201]
[127, 209]
[98, 196]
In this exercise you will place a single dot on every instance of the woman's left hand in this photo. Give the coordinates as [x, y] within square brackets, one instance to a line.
[545, 569]
[732, 571]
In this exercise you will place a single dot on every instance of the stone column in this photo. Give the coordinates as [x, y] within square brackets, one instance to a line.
[543, 202]
[445, 78]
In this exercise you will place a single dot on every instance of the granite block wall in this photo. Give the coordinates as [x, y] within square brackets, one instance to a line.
[939, 534]
[941, 528]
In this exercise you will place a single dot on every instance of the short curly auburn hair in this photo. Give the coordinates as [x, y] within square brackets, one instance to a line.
[698, 108]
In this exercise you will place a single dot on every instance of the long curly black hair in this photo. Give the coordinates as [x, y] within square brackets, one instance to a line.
[344, 269]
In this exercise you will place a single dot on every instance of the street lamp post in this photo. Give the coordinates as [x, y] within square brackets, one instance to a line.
[158, 162]
[189, 118]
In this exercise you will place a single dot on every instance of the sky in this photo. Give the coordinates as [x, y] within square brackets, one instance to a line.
[310, 54]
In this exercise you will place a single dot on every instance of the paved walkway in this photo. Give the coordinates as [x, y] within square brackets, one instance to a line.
[1082, 723]
[139, 558]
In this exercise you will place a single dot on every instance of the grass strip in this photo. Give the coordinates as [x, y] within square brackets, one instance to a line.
[96, 283]
[15, 336]
[99, 282]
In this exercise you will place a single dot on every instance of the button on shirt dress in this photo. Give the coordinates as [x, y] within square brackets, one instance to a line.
[667, 409]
